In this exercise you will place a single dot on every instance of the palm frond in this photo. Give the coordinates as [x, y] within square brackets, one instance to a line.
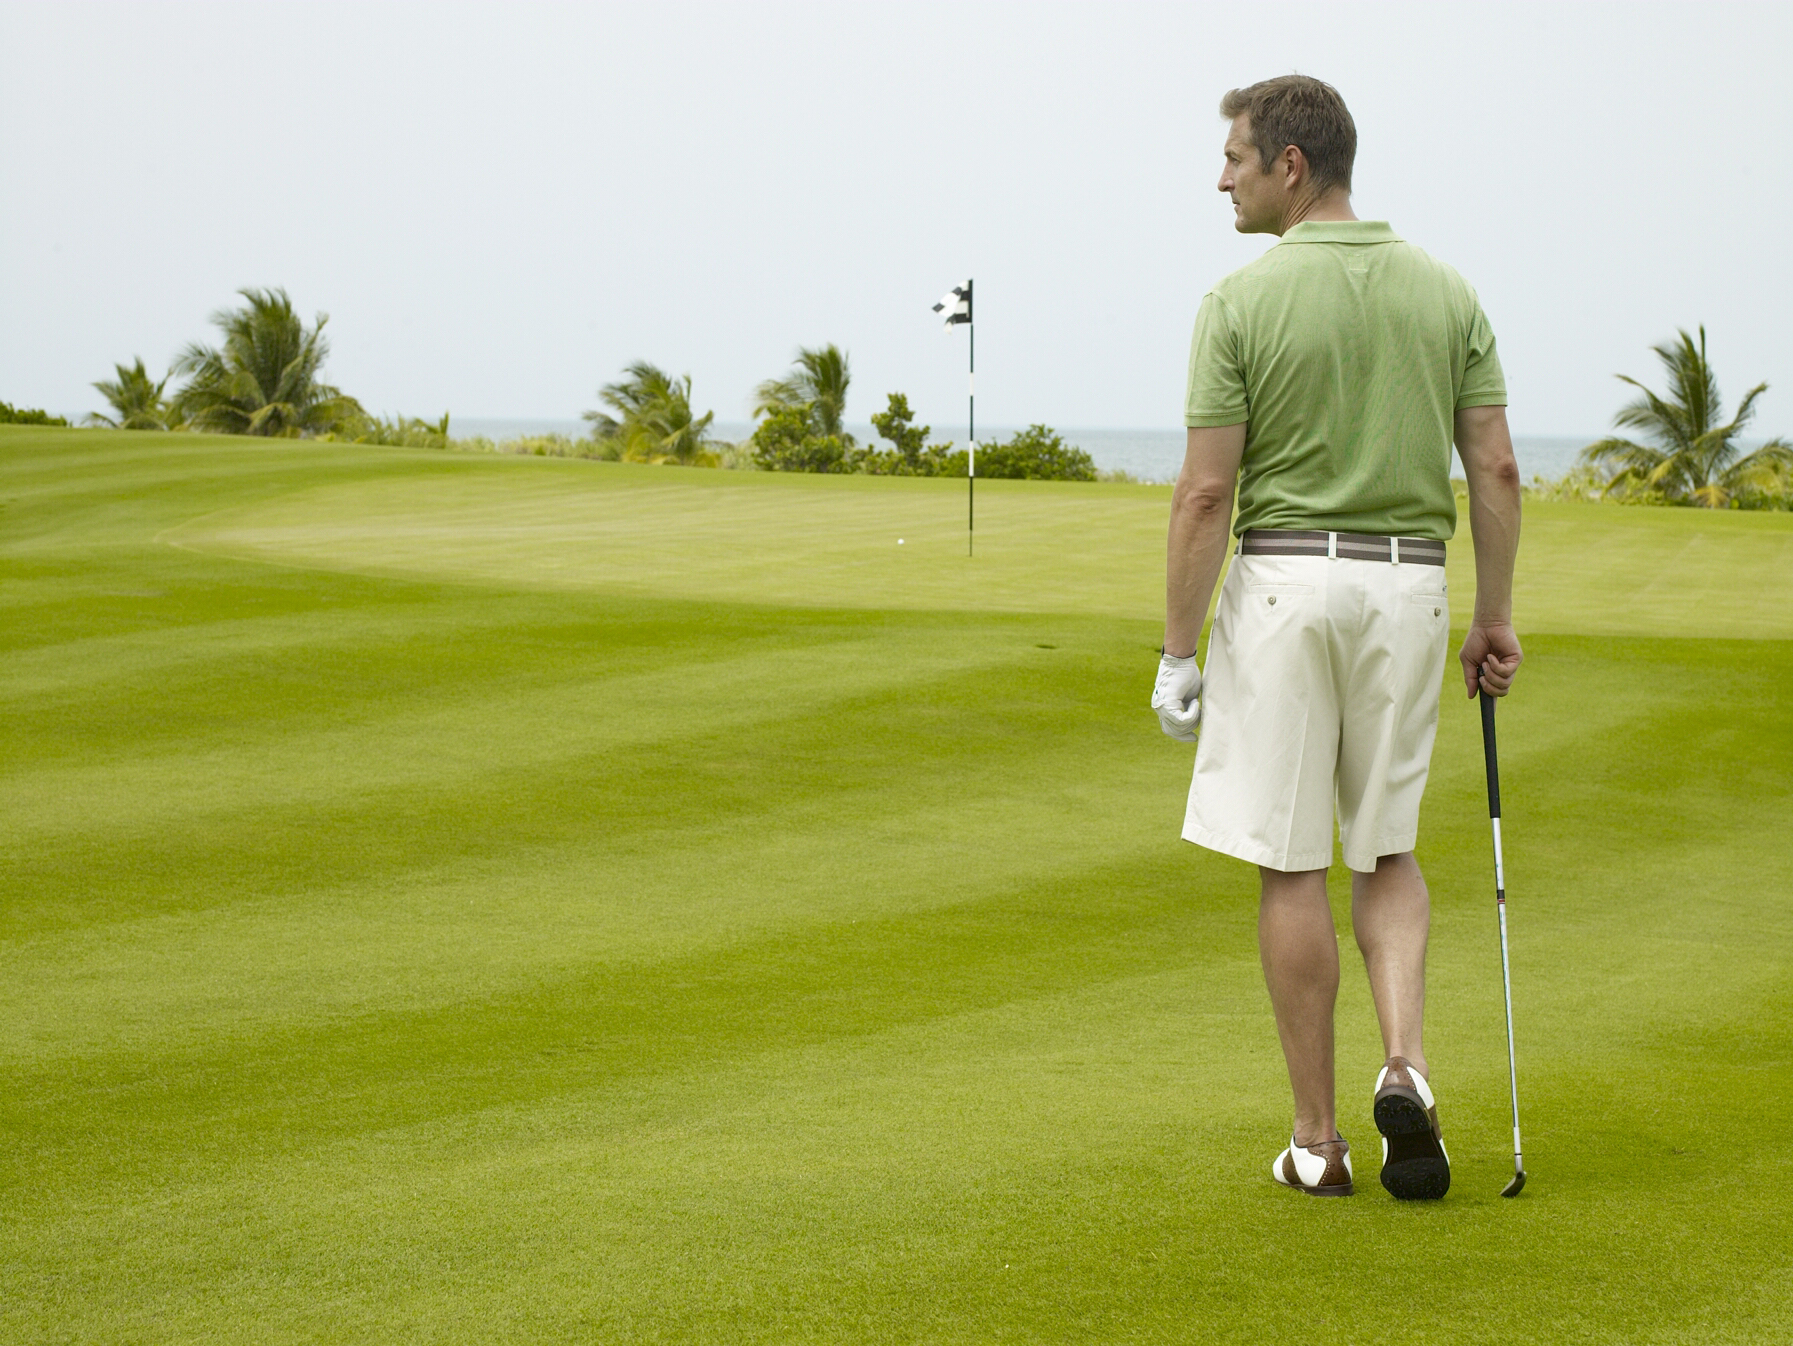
[829, 374]
[1628, 465]
[653, 421]
[1692, 383]
[817, 386]
[1656, 416]
[1767, 469]
[775, 395]
[1746, 409]
[1622, 454]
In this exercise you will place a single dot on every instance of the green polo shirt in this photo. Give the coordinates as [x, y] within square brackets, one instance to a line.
[1347, 352]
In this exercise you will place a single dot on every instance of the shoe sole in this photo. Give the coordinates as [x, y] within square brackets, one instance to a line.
[1337, 1189]
[1415, 1167]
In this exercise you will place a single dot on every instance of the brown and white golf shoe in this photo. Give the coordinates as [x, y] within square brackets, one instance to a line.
[1318, 1170]
[1414, 1164]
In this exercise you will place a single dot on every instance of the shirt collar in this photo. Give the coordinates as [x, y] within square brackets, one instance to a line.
[1341, 231]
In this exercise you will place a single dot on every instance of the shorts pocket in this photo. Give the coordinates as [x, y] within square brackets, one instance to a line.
[1437, 604]
[1265, 593]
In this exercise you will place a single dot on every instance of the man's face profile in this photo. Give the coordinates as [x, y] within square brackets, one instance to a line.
[1257, 196]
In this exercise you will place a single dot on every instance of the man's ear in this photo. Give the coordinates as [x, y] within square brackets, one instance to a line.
[1294, 165]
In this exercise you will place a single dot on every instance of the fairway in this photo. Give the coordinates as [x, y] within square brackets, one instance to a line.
[460, 899]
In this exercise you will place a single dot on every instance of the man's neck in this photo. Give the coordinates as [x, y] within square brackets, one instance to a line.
[1328, 206]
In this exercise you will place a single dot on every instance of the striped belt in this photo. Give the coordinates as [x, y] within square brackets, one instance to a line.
[1424, 551]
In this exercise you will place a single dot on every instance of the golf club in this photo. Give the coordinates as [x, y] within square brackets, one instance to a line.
[1500, 901]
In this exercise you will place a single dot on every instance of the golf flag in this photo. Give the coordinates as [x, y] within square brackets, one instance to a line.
[956, 304]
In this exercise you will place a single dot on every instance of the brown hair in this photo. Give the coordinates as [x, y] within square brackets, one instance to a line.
[1301, 111]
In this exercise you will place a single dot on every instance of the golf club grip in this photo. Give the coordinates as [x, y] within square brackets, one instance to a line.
[1489, 753]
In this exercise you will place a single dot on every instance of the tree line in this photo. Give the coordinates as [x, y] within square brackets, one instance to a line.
[265, 378]
[262, 379]
[801, 427]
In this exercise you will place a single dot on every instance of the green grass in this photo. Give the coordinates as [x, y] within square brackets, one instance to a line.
[464, 899]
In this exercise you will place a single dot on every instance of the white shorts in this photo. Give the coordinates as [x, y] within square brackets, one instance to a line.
[1321, 687]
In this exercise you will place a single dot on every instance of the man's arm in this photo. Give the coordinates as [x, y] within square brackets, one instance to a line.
[1491, 653]
[1201, 510]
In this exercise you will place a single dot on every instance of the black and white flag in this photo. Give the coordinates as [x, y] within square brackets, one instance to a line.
[956, 304]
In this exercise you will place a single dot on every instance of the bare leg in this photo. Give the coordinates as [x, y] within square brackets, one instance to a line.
[1392, 914]
[1300, 952]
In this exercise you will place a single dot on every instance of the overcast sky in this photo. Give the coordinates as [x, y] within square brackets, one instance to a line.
[501, 205]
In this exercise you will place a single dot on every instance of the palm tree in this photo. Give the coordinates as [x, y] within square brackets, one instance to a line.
[1692, 458]
[136, 400]
[264, 380]
[817, 385]
[653, 421]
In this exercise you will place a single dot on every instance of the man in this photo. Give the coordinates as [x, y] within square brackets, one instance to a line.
[1327, 382]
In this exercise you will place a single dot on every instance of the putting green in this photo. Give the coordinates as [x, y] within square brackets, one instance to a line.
[901, 544]
[468, 899]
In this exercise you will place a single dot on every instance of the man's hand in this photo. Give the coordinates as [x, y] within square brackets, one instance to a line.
[1177, 696]
[1490, 657]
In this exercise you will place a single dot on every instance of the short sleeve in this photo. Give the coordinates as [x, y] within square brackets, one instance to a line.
[1483, 383]
[1216, 393]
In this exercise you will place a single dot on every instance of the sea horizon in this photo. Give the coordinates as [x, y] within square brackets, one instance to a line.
[1143, 453]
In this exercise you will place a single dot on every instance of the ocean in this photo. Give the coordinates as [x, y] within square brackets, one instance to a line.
[1147, 455]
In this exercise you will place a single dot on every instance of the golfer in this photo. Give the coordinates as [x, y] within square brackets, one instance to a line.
[1327, 382]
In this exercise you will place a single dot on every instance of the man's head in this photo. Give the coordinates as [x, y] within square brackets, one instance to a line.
[1291, 145]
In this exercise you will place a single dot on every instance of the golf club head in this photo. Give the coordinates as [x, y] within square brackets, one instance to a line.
[1515, 1187]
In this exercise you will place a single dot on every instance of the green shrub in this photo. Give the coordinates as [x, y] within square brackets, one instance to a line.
[404, 432]
[546, 446]
[787, 441]
[790, 439]
[1780, 500]
[909, 454]
[956, 462]
[1586, 483]
[603, 450]
[1037, 453]
[11, 415]
[1580, 483]
[735, 457]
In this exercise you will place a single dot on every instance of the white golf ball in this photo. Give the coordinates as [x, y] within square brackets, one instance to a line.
[899, 542]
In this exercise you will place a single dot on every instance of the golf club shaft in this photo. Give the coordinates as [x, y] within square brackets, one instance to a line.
[1500, 902]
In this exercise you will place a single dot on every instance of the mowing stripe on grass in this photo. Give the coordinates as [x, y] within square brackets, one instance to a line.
[465, 952]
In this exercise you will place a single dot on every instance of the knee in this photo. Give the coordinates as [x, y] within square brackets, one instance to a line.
[1300, 887]
[1396, 879]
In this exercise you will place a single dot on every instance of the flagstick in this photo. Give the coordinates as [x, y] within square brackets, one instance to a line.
[956, 305]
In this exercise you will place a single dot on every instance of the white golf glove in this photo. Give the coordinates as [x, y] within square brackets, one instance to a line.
[1176, 696]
